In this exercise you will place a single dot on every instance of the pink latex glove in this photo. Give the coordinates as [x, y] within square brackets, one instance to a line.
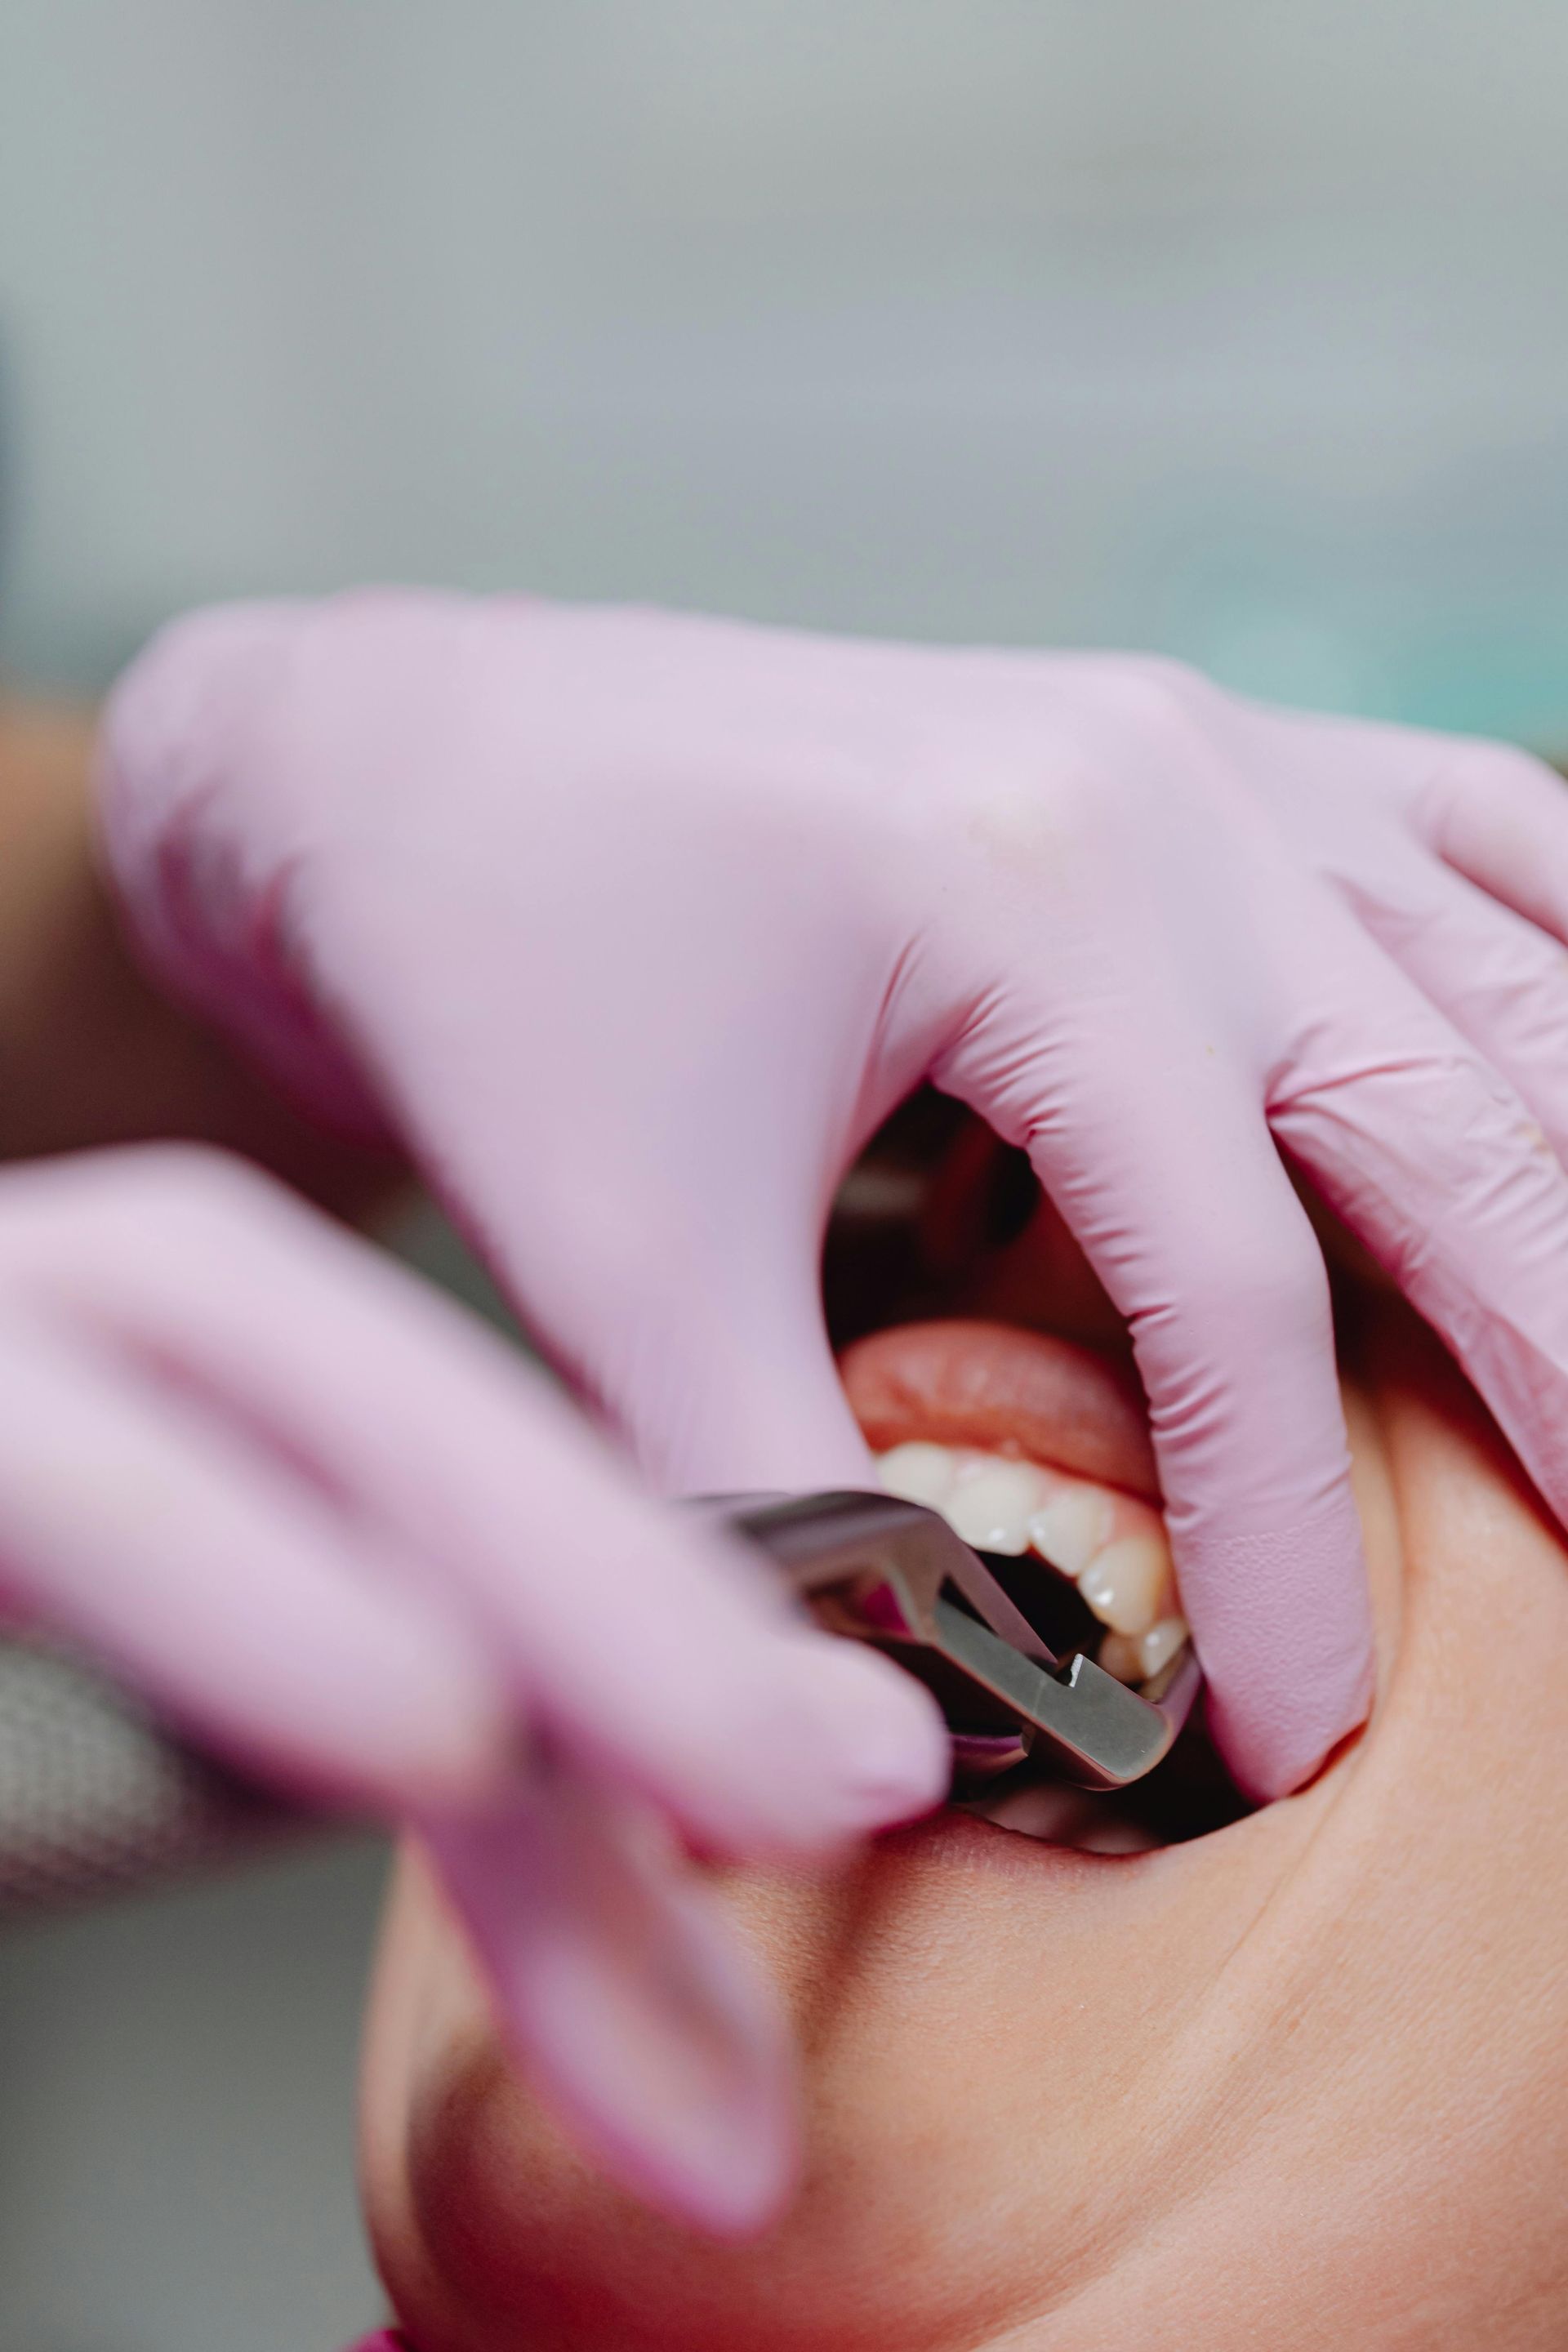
[348, 1536]
[632, 927]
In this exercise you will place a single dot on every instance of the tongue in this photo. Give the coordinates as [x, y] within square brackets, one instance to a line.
[1000, 1390]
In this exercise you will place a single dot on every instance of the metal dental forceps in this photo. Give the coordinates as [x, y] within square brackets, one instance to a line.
[96, 1796]
[892, 1573]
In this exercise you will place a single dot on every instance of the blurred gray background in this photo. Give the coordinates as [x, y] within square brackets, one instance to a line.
[1229, 327]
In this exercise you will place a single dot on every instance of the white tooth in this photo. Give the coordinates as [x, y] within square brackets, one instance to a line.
[1071, 1527]
[1128, 1586]
[1119, 1656]
[1159, 1645]
[991, 1505]
[918, 1473]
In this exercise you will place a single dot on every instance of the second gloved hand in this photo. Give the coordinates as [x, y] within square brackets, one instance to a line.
[632, 927]
[333, 1525]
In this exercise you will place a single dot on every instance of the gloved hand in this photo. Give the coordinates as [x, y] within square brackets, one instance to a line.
[633, 926]
[356, 1542]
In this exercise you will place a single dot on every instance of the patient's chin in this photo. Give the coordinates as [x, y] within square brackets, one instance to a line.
[981, 2019]
[539, 2252]
[928, 1997]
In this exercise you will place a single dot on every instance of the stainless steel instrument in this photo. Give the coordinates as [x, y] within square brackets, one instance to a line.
[98, 1798]
[890, 1572]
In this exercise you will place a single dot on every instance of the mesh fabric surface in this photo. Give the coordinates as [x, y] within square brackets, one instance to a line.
[95, 1799]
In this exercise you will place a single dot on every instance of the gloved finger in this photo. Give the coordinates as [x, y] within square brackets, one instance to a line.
[629, 1997]
[666, 1245]
[226, 1589]
[1433, 1160]
[645, 1640]
[1173, 1188]
[1500, 817]
[1502, 983]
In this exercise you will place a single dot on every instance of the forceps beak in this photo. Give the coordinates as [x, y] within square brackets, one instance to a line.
[894, 1573]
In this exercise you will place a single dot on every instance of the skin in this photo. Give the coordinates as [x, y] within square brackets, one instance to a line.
[1297, 2083]
[90, 1054]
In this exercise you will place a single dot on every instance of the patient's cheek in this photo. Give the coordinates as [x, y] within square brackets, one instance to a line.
[536, 2250]
[532, 2247]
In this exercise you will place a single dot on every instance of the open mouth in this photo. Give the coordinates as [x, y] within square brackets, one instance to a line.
[1035, 1450]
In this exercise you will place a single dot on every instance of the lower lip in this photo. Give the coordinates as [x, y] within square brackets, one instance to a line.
[956, 1836]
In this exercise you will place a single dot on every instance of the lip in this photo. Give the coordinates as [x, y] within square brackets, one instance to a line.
[959, 1837]
[961, 1381]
